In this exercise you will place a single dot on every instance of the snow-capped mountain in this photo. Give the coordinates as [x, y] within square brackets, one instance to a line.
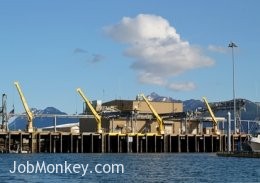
[251, 112]
[157, 98]
[39, 122]
[188, 105]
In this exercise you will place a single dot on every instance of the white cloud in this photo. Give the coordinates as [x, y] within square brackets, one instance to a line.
[157, 48]
[151, 79]
[187, 86]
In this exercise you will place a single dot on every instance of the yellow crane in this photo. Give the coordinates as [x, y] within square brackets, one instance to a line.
[96, 115]
[26, 108]
[215, 122]
[158, 118]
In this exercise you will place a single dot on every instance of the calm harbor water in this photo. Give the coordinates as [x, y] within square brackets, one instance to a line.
[182, 167]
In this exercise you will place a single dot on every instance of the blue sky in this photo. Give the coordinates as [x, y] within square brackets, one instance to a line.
[117, 49]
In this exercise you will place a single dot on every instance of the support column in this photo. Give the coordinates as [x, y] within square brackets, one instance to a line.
[187, 143]
[212, 143]
[170, 143]
[6, 141]
[127, 140]
[91, 143]
[204, 143]
[220, 143]
[102, 143]
[118, 143]
[179, 143]
[54, 143]
[71, 143]
[21, 143]
[225, 143]
[137, 143]
[61, 142]
[146, 143]
[33, 142]
[165, 141]
[233, 142]
[77, 144]
[196, 143]
[9, 142]
[81, 143]
[155, 144]
[108, 143]
[50, 142]
[141, 148]
[240, 143]
[39, 143]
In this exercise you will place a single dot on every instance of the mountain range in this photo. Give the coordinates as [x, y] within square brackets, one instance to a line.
[39, 122]
[250, 112]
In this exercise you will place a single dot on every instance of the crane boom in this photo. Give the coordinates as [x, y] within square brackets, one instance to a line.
[96, 115]
[26, 108]
[215, 122]
[158, 118]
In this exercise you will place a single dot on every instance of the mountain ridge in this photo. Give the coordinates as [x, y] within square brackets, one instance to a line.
[20, 122]
[250, 113]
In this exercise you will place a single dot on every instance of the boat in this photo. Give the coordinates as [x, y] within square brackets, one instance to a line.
[254, 143]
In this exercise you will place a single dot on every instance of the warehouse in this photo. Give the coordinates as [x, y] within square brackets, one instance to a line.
[133, 116]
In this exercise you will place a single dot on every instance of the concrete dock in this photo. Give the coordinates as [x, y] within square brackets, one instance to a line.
[66, 142]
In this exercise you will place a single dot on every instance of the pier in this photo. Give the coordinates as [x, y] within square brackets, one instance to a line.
[122, 126]
[66, 142]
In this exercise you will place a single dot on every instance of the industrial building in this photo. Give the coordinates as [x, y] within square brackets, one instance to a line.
[134, 116]
[136, 126]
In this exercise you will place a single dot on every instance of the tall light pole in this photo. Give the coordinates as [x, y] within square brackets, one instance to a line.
[233, 45]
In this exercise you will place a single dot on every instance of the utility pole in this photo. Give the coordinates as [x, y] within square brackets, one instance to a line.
[232, 46]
